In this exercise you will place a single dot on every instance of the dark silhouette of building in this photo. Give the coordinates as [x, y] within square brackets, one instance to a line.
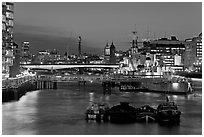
[15, 68]
[112, 54]
[134, 46]
[109, 54]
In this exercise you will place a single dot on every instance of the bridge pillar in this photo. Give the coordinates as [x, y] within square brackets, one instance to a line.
[81, 70]
[106, 87]
[54, 85]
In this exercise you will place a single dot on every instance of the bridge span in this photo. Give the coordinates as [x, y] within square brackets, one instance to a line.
[60, 66]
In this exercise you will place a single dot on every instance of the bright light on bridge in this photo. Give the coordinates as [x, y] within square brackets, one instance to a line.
[49, 66]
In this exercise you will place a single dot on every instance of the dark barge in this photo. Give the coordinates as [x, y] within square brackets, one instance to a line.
[122, 113]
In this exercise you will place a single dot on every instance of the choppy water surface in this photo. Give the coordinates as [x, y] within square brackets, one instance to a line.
[62, 111]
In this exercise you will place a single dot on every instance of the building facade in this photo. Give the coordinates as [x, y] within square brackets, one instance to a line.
[109, 54]
[15, 68]
[193, 53]
[25, 53]
[106, 54]
[43, 56]
[7, 37]
[167, 52]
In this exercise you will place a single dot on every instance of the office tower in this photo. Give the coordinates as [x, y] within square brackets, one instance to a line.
[193, 53]
[25, 53]
[7, 37]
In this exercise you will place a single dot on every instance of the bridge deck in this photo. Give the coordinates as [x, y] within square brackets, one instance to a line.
[60, 66]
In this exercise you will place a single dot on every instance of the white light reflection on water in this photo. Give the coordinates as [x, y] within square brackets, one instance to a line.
[91, 97]
[107, 98]
[65, 114]
[22, 112]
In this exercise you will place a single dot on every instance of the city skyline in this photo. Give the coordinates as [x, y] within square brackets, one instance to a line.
[106, 68]
[58, 25]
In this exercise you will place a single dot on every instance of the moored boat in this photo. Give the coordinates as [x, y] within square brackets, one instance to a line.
[97, 112]
[146, 113]
[168, 112]
[157, 85]
[122, 113]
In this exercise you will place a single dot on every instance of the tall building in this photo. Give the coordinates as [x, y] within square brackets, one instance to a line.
[193, 53]
[134, 55]
[54, 57]
[15, 68]
[199, 50]
[43, 56]
[109, 54]
[166, 52]
[134, 46]
[112, 54]
[106, 54]
[7, 37]
[25, 53]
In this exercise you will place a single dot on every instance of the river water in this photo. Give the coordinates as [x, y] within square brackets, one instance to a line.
[62, 112]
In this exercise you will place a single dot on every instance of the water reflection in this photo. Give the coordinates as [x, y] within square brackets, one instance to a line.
[21, 115]
[91, 97]
[62, 111]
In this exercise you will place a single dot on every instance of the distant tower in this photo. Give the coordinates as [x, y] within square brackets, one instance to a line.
[79, 47]
[25, 52]
[134, 46]
[107, 50]
[112, 54]
[107, 54]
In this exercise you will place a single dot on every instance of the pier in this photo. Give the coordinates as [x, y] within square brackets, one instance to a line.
[45, 84]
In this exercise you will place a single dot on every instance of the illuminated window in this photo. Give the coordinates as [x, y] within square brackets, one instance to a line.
[3, 18]
[3, 26]
[9, 15]
[9, 7]
[107, 51]
[9, 23]
[10, 30]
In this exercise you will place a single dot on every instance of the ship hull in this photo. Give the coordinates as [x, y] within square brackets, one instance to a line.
[168, 117]
[157, 85]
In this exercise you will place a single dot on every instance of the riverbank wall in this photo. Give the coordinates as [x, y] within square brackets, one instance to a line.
[15, 93]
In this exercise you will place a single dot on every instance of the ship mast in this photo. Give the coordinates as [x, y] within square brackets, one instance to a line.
[79, 47]
[134, 45]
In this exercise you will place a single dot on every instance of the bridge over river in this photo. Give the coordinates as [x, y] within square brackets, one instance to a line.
[60, 66]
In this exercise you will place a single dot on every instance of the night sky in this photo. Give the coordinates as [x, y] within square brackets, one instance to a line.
[57, 25]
